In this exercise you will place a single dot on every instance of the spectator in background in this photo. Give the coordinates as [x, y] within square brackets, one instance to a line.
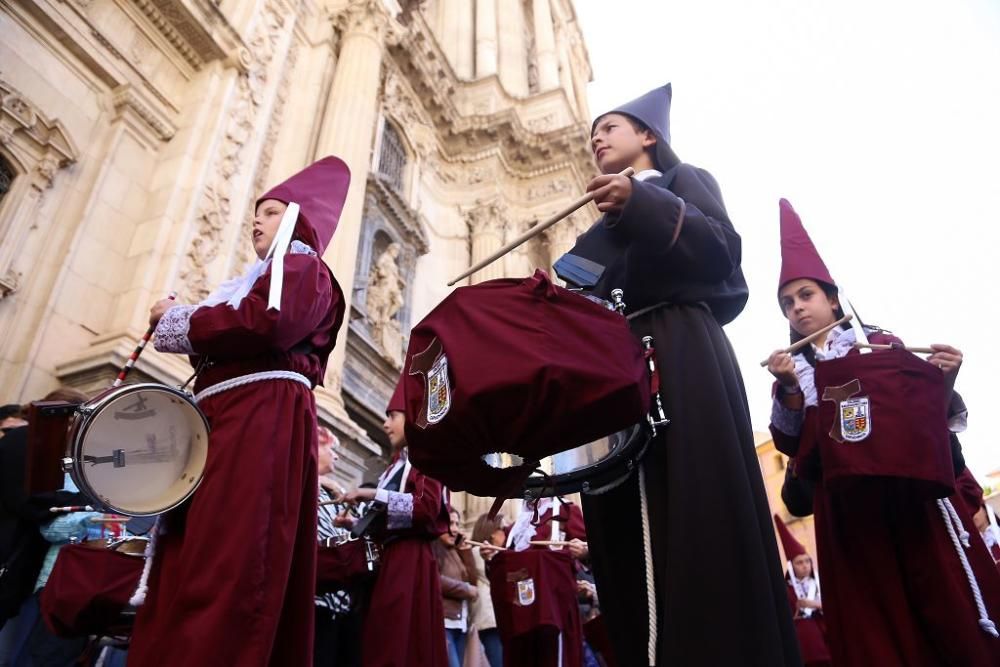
[458, 586]
[482, 615]
[338, 622]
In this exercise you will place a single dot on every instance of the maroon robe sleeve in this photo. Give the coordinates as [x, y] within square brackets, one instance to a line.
[306, 297]
[574, 527]
[420, 510]
[707, 248]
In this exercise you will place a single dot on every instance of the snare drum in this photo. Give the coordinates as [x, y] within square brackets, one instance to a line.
[593, 468]
[138, 449]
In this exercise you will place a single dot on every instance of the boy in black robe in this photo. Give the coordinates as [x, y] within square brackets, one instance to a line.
[666, 240]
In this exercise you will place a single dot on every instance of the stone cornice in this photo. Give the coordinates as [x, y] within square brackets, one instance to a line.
[526, 148]
[195, 28]
[126, 97]
[392, 204]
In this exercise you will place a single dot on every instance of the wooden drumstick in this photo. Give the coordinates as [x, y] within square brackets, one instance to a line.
[72, 508]
[533, 232]
[483, 545]
[811, 337]
[877, 346]
[138, 350]
[551, 543]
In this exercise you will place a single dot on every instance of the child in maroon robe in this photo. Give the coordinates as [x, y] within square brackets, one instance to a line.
[404, 623]
[900, 585]
[233, 571]
[804, 598]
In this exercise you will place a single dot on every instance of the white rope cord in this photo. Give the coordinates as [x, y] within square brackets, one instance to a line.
[947, 511]
[647, 548]
[103, 657]
[963, 534]
[231, 383]
[140, 593]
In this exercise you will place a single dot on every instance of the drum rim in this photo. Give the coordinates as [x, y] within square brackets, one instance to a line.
[87, 411]
[640, 436]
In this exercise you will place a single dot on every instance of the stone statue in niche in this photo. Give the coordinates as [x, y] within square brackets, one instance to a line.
[384, 300]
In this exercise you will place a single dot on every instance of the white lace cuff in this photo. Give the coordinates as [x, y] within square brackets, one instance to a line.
[400, 510]
[786, 420]
[172, 330]
[958, 422]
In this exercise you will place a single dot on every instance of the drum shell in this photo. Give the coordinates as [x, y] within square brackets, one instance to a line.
[88, 590]
[534, 370]
[908, 436]
[342, 565]
[82, 421]
[551, 591]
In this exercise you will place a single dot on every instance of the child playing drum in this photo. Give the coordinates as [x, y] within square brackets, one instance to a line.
[900, 585]
[667, 241]
[233, 571]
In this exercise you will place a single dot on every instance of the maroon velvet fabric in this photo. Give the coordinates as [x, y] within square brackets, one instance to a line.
[791, 546]
[534, 369]
[908, 421]
[799, 257]
[404, 623]
[968, 492]
[88, 589]
[569, 524]
[530, 633]
[341, 565]
[234, 576]
[894, 592]
[320, 190]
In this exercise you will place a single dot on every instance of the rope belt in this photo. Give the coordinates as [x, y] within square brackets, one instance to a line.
[960, 538]
[241, 380]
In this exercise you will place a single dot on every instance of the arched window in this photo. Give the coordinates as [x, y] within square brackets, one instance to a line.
[392, 158]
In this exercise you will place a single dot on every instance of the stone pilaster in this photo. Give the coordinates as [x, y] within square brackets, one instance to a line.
[486, 37]
[545, 46]
[486, 227]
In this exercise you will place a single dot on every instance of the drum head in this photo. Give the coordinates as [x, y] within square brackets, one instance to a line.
[139, 449]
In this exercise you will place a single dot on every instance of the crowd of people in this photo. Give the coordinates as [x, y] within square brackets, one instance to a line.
[272, 563]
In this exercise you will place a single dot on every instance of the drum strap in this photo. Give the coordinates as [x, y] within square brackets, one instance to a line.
[241, 380]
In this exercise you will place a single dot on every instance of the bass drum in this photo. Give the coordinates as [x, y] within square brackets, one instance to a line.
[593, 468]
[138, 449]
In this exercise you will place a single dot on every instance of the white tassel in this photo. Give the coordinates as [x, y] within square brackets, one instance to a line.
[949, 515]
[140, 593]
[279, 246]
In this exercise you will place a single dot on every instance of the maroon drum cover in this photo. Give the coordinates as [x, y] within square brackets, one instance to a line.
[519, 366]
[534, 591]
[884, 414]
[341, 566]
[88, 589]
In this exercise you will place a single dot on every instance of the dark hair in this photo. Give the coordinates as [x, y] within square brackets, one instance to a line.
[11, 410]
[485, 527]
[67, 394]
[639, 127]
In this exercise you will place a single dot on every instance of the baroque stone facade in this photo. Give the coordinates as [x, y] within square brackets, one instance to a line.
[135, 136]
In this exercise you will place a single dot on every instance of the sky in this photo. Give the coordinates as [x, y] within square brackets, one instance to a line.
[879, 120]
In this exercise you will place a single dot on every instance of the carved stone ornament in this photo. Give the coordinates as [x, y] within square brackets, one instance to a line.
[384, 299]
[37, 142]
[215, 206]
[487, 218]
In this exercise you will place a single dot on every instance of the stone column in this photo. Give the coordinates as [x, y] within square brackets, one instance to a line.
[486, 225]
[513, 49]
[465, 60]
[348, 132]
[545, 46]
[486, 37]
[561, 237]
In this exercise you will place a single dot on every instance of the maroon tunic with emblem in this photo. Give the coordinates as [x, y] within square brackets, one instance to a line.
[404, 624]
[233, 576]
[894, 589]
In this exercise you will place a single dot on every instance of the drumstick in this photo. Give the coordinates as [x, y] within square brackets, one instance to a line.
[483, 545]
[551, 543]
[811, 337]
[138, 349]
[533, 232]
[877, 346]
[104, 519]
[72, 508]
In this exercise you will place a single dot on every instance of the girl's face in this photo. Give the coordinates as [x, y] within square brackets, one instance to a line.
[802, 566]
[265, 225]
[453, 527]
[807, 306]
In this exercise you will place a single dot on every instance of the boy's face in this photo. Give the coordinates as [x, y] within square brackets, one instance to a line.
[802, 565]
[266, 221]
[617, 144]
[393, 426]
